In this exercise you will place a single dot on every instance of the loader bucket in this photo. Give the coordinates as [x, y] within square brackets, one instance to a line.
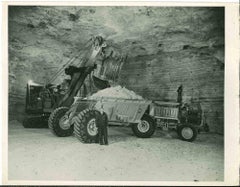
[99, 83]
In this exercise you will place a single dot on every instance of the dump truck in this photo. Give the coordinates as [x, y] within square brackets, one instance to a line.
[143, 116]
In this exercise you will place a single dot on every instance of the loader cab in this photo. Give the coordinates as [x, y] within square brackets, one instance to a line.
[40, 99]
[33, 100]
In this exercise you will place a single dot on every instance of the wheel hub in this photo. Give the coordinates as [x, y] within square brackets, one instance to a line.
[143, 126]
[92, 128]
[64, 123]
[187, 133]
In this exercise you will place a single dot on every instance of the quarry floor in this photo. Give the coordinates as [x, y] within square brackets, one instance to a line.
[36, 154]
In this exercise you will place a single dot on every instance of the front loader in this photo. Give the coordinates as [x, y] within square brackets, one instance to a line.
[45, 104]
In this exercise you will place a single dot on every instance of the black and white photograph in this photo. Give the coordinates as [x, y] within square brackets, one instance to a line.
[116, 93]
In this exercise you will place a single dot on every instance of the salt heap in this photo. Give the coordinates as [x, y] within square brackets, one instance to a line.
[116, 92]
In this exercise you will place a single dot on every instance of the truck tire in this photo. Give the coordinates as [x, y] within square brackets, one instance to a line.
[56, 123]
[146, 128]
[187, 132]
[85, 127]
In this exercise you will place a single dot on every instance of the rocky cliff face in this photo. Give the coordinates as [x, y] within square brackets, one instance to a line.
[166, 47]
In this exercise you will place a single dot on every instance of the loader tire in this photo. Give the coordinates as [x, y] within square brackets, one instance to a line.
[146, 128]
[55, 123]
[85, 127]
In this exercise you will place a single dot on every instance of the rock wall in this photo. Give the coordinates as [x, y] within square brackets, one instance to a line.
[166, 46]
[193, 57]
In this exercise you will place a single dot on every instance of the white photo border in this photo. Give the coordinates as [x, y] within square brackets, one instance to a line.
[231, 95]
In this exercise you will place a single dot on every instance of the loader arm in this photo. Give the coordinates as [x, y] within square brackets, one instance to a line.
[76, 83]
[104, 61]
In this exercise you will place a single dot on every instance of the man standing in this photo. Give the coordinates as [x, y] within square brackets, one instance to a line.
[102, 123]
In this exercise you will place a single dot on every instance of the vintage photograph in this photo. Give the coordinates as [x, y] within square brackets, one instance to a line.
[116, 93]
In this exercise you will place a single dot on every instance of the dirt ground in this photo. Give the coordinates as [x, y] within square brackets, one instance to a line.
[36, 154]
